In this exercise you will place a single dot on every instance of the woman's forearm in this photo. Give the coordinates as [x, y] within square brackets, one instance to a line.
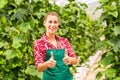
[42, 66]
[74, 60]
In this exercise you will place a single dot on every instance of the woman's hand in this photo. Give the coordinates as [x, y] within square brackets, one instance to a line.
[67, 59]
[51, 62]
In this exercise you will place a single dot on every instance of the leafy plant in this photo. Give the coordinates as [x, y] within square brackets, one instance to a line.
[21, 22]
[111, 17]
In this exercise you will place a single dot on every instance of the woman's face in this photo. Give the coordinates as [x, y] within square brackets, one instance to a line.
[51, 24]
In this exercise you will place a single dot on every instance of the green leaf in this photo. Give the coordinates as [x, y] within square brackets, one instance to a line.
[16, 42]
[116, 30]
[21, 78]
[39, 0]
[39, 14]
[19, 14]
[110, 72]
[9, 76]
[1, 53]
[103, 17]
[103, 1]
[119, 2]
[36, 1]
[10, 54]
[113, 7]
[113, 13]
[99, 75]
[24, 27]
[107, 60]
[115, 43]
[31, 70]
[117, 78]
[2, 61]
[18, 2]
[16, 62]
[3, 19]
[100, 44]
[3, 3]
[3, 44]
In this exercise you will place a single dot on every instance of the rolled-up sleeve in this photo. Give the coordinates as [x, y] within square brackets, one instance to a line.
[38, 55]
[68, 48]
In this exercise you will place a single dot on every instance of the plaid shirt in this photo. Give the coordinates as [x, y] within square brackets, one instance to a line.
[40, 48]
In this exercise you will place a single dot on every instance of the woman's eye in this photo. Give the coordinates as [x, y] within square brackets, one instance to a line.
[50, 21]
[55, 22]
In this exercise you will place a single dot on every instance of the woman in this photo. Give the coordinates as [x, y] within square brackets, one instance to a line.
[53, 54]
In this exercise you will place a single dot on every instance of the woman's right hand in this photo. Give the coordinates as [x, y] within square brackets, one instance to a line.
[51, 62]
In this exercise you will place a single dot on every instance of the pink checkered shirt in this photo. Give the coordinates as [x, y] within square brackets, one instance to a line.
[40, 48]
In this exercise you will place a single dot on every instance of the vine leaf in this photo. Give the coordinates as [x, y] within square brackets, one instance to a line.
[17, 42]
[32, 71]
[115, 43]
[24, 27]
[107, 60]
[3, 3]
[19, 14]
[110, 72]
[117, 78]
[116, 30]
[114, 13]
[10, 54]
[18, 2]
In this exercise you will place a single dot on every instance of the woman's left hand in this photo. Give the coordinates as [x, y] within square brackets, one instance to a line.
[67, 59]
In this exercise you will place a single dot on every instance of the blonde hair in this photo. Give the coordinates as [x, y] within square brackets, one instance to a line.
[51, 13]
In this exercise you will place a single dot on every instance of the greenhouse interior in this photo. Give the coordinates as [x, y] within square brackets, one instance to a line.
[79, 39]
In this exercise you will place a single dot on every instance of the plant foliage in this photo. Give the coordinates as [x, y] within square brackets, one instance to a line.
[21, 22]
[111, 17]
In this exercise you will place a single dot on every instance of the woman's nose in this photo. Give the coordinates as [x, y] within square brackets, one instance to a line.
[52, 24]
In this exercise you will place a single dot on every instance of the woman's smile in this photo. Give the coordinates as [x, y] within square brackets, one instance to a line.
[52, 28]
[51, 24]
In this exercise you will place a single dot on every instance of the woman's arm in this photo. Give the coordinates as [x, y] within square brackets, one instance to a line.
[42, 66]
[39, 56]
[69, 60]
[72, 58]
[50, 63]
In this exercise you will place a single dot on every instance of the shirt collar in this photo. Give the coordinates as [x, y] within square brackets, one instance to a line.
[45, 38]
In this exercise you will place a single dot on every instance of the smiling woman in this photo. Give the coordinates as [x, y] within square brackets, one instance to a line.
[53, 54]
[51, 24]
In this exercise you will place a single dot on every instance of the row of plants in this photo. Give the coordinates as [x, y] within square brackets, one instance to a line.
[110, 60]
[21, 22]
